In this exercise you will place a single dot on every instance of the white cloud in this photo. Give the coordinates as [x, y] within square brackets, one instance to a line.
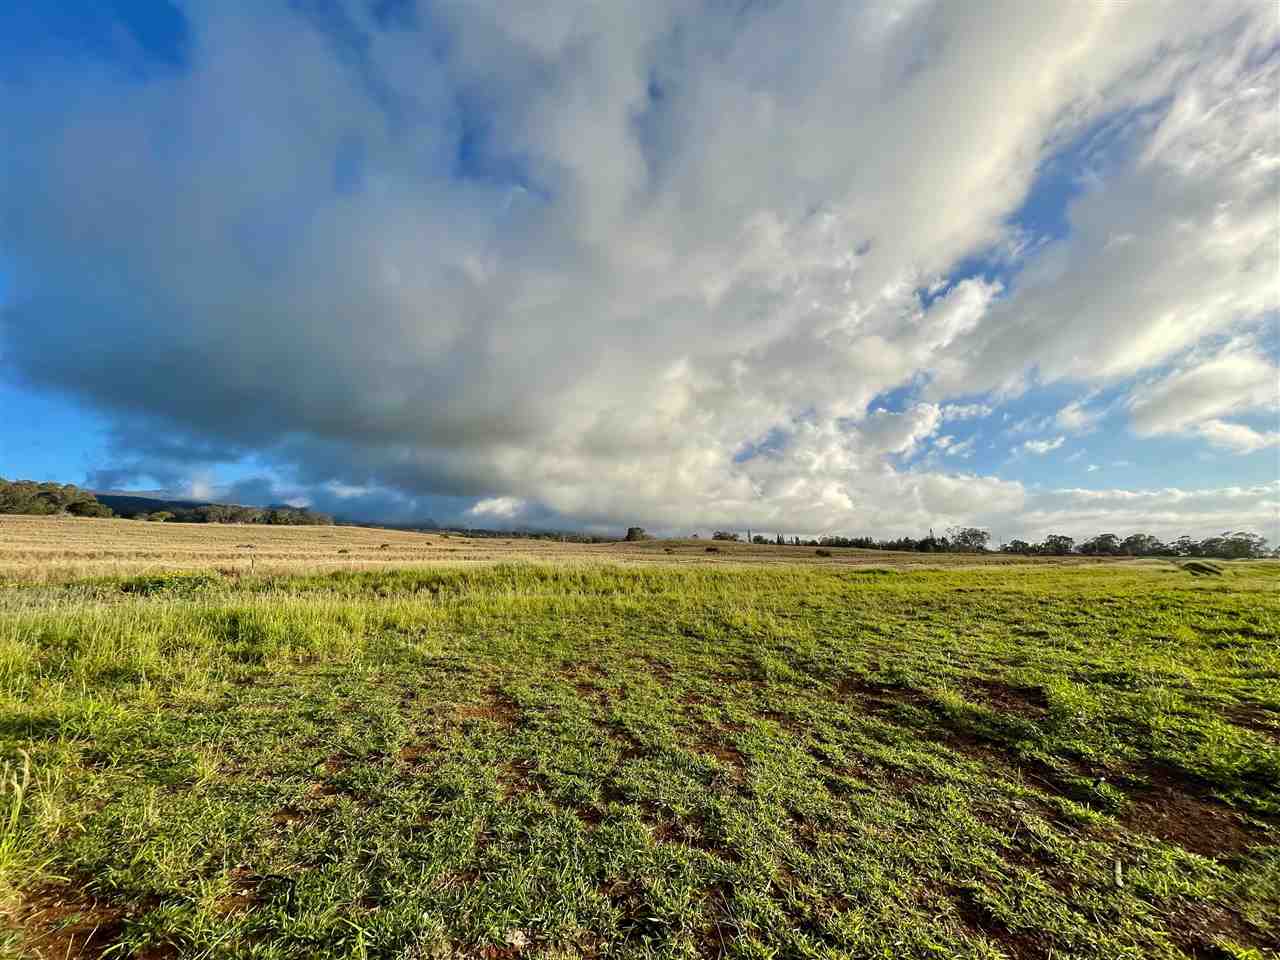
[966, 411]
[1195, 397]
[952, 447]
[624, 286]
[1166, 512]
[1092, 468]
[498, 508]
[1041, 447]
[1077, 418]
[1237, 437]
[1191, 189]
[1032, 424]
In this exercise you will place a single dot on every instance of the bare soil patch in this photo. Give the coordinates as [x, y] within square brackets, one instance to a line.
[61, 924]
[1171, 809]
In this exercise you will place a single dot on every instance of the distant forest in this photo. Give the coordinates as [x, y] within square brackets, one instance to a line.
[1229, 546]
[47, 499]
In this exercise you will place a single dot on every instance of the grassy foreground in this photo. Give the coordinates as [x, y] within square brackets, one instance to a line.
[587, 761]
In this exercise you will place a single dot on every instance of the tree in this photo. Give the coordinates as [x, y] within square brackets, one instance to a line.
[1056, 545]
[1104, 544]
[1142, 545]
[725, 535]
[968, 539]
[930, 544]
[637, 533]
[1017, 546]
[1240, 546]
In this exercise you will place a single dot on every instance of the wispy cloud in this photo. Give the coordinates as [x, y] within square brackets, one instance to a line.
[1041, 447]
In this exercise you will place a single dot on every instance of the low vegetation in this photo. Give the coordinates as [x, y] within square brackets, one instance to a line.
[674, 760]
[46, 499]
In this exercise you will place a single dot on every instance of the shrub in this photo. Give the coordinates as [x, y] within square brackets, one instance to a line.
[174, 584]
[89, 508]
[822, 553]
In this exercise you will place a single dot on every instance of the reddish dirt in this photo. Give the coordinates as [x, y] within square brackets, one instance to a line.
[1019, 945]
[1171, 809]
[879, 699]
[244, 883]
[1258, 719]
[286, 816]
[1023, 701]
[1198, 928]
[658, 667]
[415, 752]
[66, 925]
[727, 755]
[498, 709]
[516, 778]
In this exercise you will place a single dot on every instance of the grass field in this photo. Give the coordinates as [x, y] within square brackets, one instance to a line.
[54, 549]
[591, 759]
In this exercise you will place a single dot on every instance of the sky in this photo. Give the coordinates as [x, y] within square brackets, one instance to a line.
[812, 267]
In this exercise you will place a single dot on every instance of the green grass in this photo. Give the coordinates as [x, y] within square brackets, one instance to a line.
[664, 762]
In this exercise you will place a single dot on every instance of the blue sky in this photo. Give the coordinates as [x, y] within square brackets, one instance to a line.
[583, 266]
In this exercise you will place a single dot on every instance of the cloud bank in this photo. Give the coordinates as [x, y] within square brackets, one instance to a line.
[658, 263]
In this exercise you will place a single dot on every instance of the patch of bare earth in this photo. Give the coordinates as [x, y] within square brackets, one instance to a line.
[334, 766]
[1172, 809]
[730, 759]
[413, 752]
[497, 708]
[1002, 697]
[1258, 719]
[1200, 929]
[517, 778]
[1017, 944]
[67, 925]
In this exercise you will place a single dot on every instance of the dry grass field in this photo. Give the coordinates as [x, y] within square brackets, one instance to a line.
[63, 548]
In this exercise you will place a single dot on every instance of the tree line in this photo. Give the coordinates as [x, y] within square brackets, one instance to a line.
[235, 513]
[1238, 545]
[956, 540]
[52, 499]
[49, 499]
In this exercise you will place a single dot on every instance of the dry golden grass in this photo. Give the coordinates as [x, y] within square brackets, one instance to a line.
[63, 548]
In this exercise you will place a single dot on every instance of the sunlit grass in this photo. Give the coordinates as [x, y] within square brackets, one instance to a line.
[690, 760]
